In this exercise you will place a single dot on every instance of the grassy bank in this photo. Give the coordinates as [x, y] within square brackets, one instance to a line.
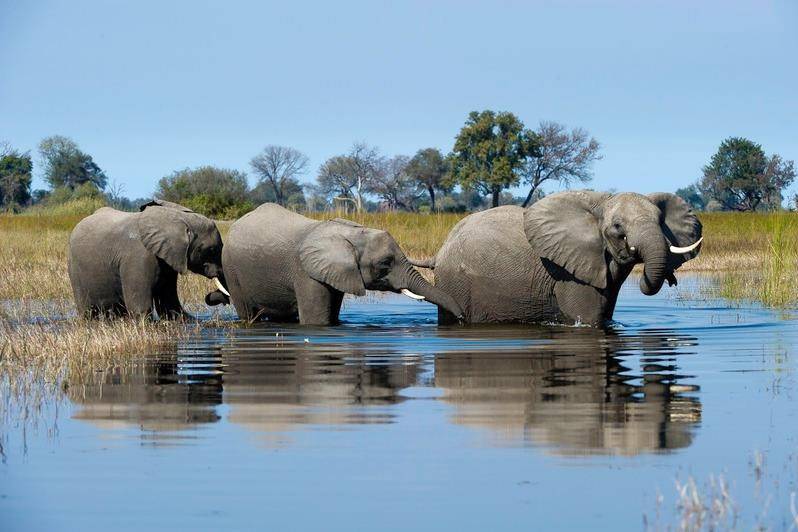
[756, 253]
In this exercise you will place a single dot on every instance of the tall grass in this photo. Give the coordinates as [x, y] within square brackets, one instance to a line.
[419, 235]
[755, 253]
[771, 278]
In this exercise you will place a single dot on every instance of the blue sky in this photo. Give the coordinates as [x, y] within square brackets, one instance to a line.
[150, 87]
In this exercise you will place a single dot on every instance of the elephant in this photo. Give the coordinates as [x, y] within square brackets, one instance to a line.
[284, 267]
[564, 258]
[126, 264]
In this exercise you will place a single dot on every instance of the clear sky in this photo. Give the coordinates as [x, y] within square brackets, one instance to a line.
[150, 87]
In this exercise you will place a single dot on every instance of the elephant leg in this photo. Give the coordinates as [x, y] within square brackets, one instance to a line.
[167, 302]
[318, 304]
[580, 303]
[139, 277]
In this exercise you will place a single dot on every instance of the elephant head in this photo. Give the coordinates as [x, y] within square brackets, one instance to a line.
[352, 258]
[583, 231]
[183, 239]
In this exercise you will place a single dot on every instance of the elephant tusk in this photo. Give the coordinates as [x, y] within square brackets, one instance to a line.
[221, 288]
[410, 294]
[687, 249]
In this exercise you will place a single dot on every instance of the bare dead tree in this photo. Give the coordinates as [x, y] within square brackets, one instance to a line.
[396, 187]
[365, 164]
[277, 166]
[566, 157]
[351, 175]
[334, 179]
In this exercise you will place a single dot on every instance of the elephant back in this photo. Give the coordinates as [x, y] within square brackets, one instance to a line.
[270, 227]
[103, 226]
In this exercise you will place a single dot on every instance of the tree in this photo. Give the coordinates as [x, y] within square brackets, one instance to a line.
[293, 194]
[15, 178]
[394, 185]
[565, 157]
[65, 165]
[742, 178]
[428, 169]
[278, 166]
[334, 180]
[350, 177]
[692, 196]
[489, 152]
[214, 192]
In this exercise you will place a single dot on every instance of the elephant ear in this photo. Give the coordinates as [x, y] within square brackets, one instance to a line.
[679, 224]
[166, 235]
[328, 257]
[162, 203]
[564, 229]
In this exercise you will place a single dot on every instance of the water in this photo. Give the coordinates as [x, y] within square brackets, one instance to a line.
[390, 422]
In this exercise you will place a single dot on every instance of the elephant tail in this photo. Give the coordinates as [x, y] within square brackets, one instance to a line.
[426, 263]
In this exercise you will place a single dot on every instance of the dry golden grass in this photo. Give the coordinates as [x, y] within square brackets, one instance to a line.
[419, 235]
[756, 252]
[42, 350]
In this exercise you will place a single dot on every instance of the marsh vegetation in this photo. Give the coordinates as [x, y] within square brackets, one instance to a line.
[753, 255]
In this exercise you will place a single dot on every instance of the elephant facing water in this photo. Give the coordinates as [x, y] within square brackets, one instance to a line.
[282, 266]
[123, 263]
[565, 258]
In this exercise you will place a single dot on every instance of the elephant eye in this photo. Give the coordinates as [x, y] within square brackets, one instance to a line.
[385, 264]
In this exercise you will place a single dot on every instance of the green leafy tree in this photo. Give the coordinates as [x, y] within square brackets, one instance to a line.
[66, 166]
[742, 178]
[214, 192]
[693, 197]
[565, 156]
[490, 151]
[15, 179]
[428, 169]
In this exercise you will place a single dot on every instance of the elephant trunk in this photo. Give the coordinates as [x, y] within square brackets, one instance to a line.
[654, 253]
[414, 282]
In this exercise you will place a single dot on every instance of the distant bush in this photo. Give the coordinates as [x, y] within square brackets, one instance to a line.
[214, 192]
[216, 207]
[73, 207]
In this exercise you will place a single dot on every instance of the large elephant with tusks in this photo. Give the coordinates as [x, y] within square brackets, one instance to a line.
[284, 267]
[564, 258]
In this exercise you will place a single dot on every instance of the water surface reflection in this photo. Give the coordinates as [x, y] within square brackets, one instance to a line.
[572, 390]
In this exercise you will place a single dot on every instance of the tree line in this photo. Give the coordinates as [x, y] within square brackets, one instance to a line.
[740, 177]
[493, 154]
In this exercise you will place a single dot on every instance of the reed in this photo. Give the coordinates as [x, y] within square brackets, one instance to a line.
[755, 254]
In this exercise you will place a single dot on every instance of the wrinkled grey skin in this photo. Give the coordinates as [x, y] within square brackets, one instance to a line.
[282, 266]
[123, 263]
[564, 258]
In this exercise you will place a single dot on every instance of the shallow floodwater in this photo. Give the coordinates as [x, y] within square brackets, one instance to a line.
[392, 423]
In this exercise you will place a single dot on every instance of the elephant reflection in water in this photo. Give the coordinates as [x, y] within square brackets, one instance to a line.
[579, 399]
[152, 396]
[279, 393]
[270, 387]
